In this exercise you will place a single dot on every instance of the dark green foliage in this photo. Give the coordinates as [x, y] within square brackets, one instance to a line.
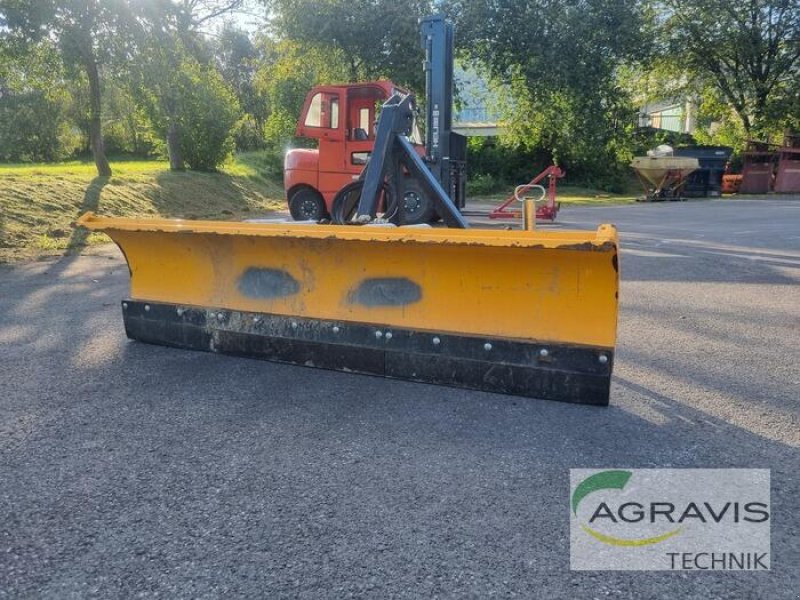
[493, 165]
[748, 53]
[558, 61]
[210, 113]
[127, 130]
[203, 110]
[237, 59]
[496, 166]
[374, 38]
[248, 136]
[287, 72]
[35, 105]
[32, 128]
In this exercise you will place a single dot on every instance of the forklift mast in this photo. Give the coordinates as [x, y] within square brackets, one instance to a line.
[445, 151]
[442, 173]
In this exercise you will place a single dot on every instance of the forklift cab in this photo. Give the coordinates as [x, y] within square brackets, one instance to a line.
[343, 119]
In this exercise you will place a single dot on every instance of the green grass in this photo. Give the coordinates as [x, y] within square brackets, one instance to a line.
[578, 195]
[75, 167]
[39, 203]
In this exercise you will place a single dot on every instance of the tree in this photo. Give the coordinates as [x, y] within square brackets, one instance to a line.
[84, 31]
[173, 64]
[376, 38]
[749, 51]
[189, 105]
[237, 59]
[559, 59]
[208, 119]
[287, 71]
[194, 15]
[35, 100]
[33, 128]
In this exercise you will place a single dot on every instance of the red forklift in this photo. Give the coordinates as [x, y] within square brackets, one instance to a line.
[342, 118]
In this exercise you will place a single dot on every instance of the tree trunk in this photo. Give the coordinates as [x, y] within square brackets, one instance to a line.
[748, 128]
[95, 127]
[174, 147]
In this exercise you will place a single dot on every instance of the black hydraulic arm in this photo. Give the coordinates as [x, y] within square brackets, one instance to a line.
[394, 157]
[393, 152]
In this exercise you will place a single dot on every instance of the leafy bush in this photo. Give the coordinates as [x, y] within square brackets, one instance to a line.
[493, 165]
[483, 184]
[279, 128]
[207, 121]
[126, 130]
[190, 106]
[248, 136]
[33, 128]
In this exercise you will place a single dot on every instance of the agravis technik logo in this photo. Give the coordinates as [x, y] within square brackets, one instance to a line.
[612, 480]
[673, 519]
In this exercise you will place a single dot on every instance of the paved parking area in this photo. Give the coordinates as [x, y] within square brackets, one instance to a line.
[134, 470]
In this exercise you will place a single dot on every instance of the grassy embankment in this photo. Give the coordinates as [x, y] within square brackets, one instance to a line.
[40, 203]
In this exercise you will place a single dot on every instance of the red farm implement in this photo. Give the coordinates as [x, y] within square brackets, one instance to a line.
[545, 211]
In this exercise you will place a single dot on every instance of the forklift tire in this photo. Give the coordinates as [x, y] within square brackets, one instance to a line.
[345, 203]
[306, 204]
[417, 206]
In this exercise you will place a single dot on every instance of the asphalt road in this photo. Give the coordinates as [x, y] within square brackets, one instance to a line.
[129, 470]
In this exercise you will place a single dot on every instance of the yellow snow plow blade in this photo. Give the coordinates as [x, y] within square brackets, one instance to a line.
[523, 312]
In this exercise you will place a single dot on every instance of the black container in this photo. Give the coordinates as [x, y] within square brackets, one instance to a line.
[707, 180]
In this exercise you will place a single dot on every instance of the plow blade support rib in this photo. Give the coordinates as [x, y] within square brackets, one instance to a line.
[529, 313]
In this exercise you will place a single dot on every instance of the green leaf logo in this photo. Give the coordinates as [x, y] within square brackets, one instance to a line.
[605, 480]
[611, 480]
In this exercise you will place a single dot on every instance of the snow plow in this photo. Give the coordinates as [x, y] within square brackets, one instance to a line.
[525, 312]
[529, 313]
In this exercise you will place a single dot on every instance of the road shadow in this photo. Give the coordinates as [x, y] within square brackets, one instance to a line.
[711, 263]
[91, 202]
[3, 242]
[78, 239]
